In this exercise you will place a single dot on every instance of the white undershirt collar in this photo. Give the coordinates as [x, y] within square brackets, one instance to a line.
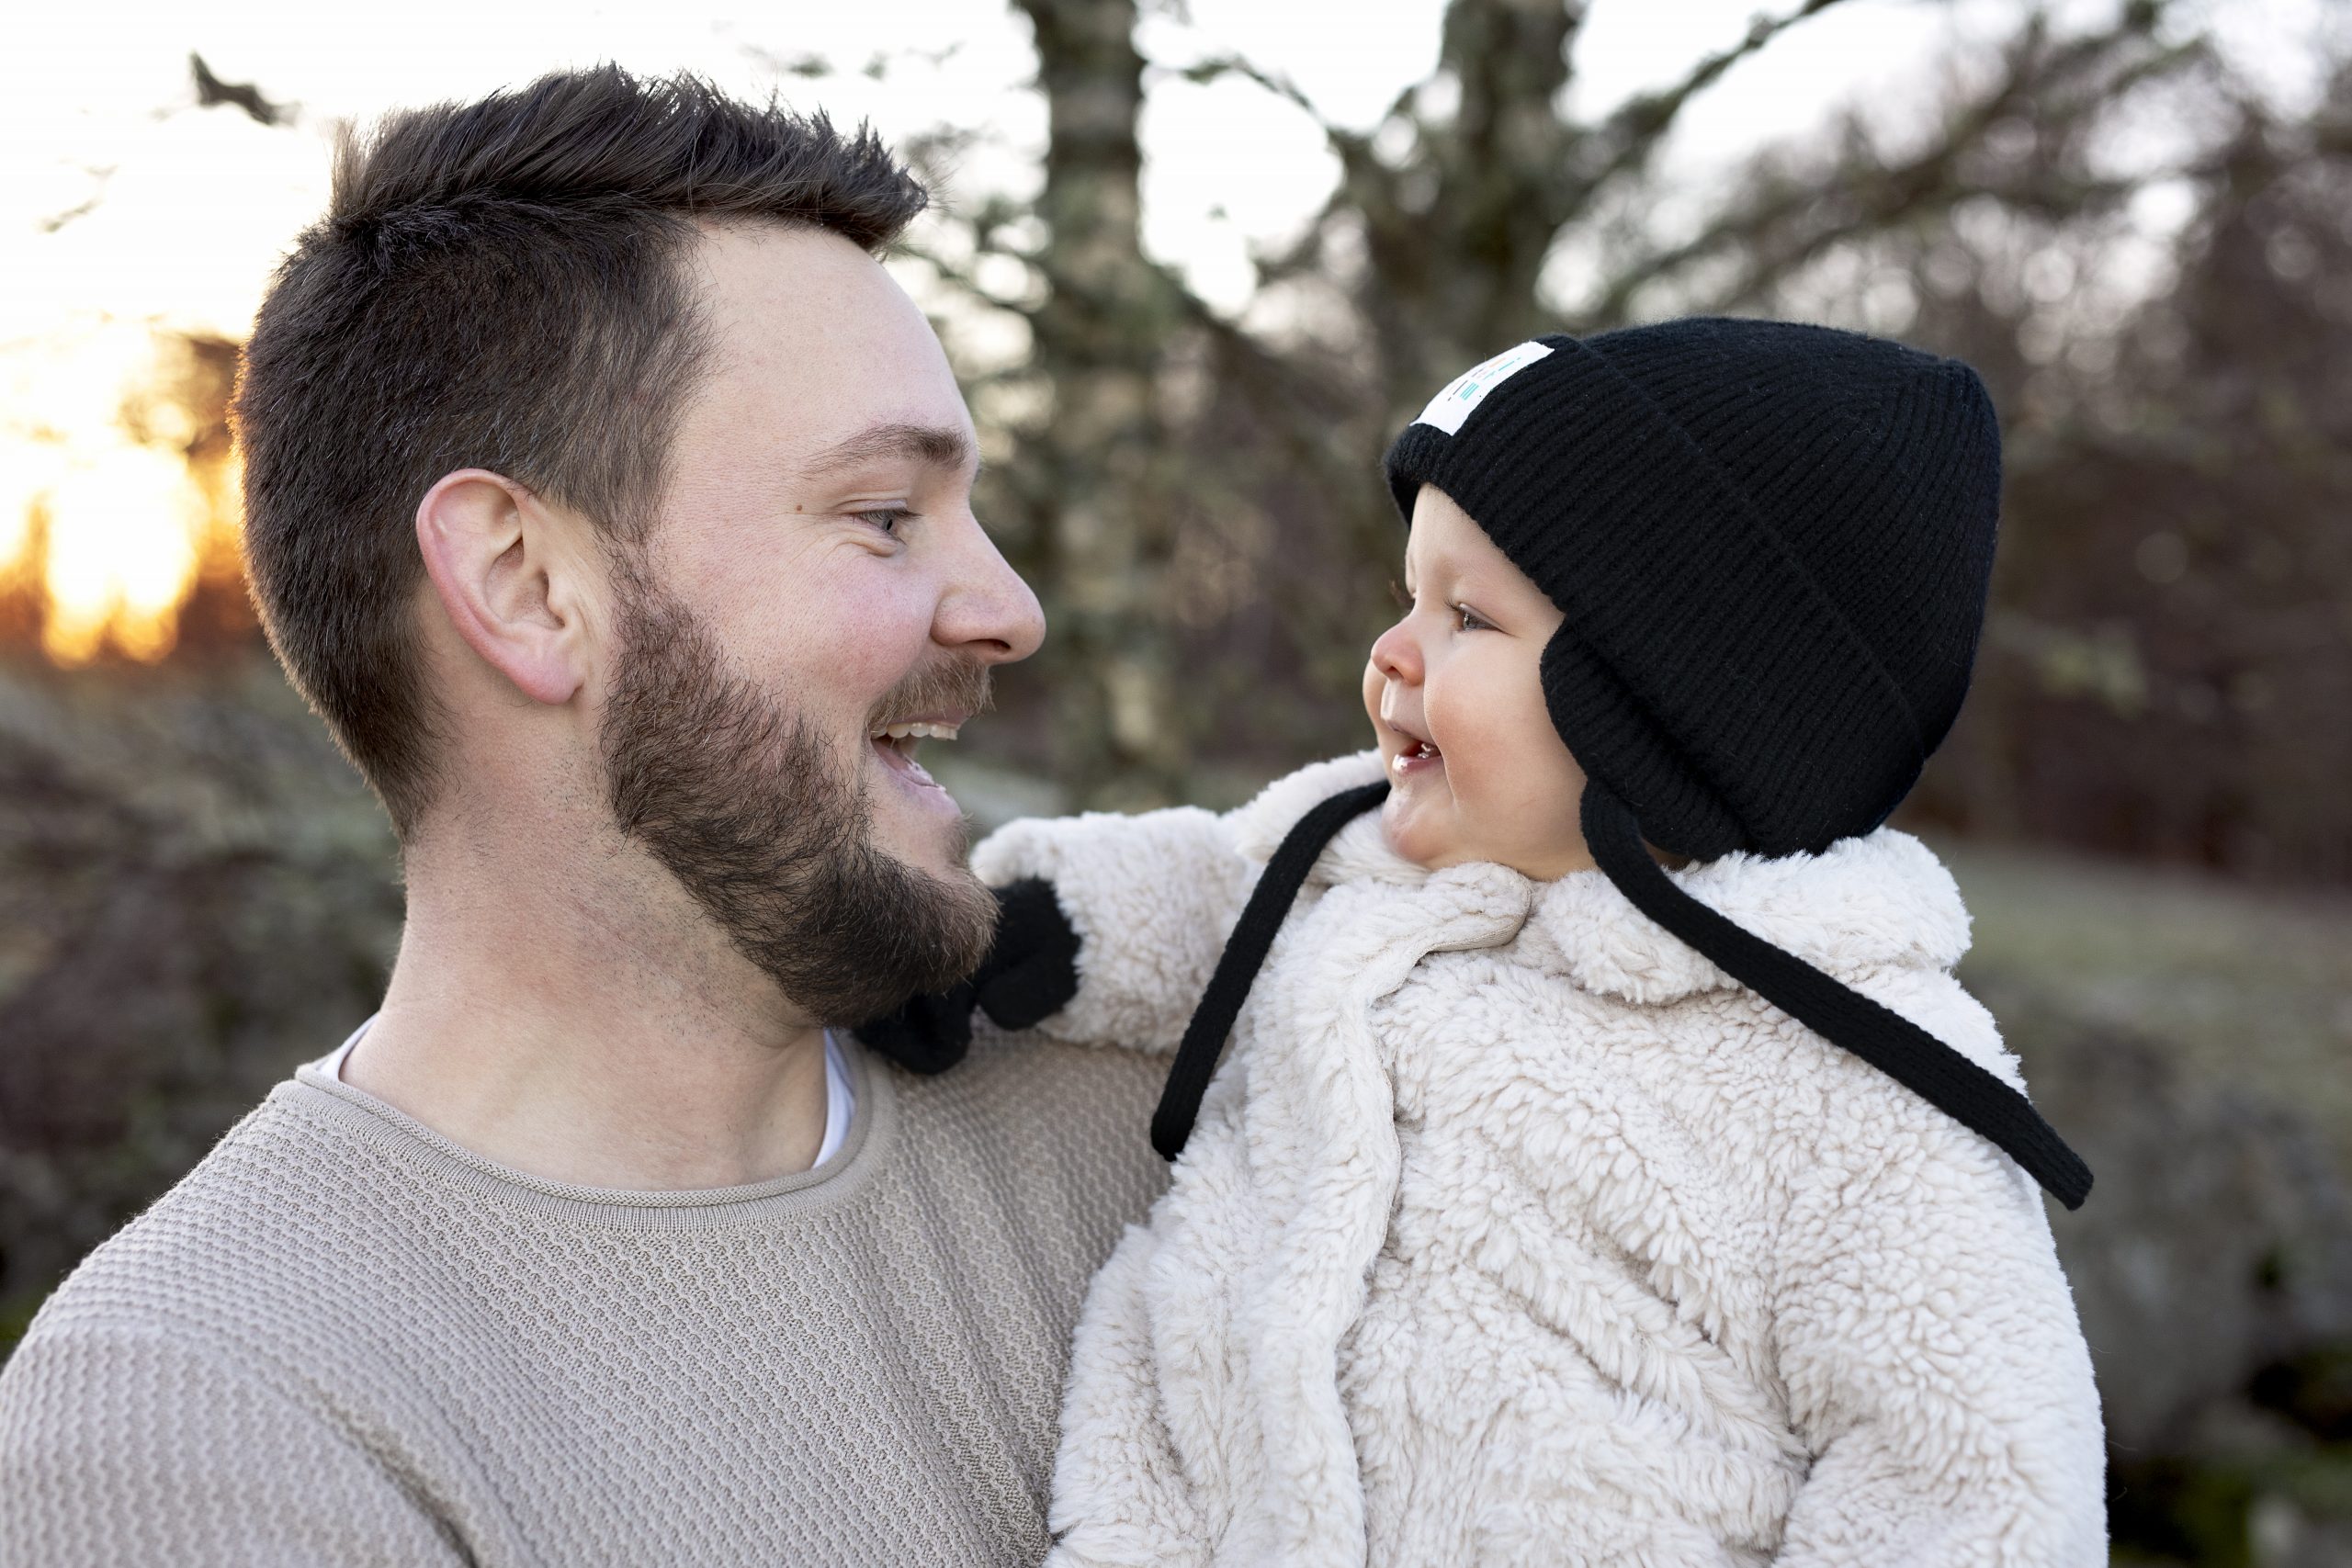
[841, 1099]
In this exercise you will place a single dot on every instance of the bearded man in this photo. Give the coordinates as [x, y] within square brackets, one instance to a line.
[612, 506]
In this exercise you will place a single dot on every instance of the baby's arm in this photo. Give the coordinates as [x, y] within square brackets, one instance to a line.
[1929, 1342]
[1150, 897]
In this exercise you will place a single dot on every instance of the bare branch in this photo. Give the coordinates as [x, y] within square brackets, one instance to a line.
[211, 90]
[1792, 219]
[1200, 73]
[1636, 129]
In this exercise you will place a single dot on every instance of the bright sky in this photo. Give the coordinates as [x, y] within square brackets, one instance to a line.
[125, 210]
[193, 206]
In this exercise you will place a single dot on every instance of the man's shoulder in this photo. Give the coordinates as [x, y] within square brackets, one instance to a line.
[285, 1242]
[246, 1240]
[184, 1334]
[1100, 1093]
[1046, 1110]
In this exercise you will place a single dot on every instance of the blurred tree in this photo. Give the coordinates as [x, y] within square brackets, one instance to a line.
[1096, 478]
[1196, 497]
[2169, 670]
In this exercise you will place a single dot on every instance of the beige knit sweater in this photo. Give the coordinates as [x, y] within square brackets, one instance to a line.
[343, 1340]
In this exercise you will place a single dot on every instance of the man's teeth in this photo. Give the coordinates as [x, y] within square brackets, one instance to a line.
[917, 731]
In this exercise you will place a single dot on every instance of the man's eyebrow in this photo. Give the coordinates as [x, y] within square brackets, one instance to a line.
[934, 445]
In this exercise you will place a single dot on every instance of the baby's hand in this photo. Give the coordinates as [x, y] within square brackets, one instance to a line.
[1030, 972]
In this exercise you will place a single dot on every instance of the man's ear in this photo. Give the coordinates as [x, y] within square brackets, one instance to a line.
[508, 577]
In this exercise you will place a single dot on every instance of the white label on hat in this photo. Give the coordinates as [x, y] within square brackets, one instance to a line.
[1467, 390]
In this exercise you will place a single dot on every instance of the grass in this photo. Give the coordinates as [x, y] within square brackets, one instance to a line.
[2244, 985]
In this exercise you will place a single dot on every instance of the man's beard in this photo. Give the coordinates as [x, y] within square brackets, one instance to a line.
[769, 829]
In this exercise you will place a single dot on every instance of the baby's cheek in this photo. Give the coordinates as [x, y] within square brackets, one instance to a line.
[1518, 791]
[1479, 759]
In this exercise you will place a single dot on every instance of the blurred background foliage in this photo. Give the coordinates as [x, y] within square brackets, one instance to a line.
[2146, 799]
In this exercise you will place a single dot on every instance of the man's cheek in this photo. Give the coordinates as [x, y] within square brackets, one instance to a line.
[870, 647]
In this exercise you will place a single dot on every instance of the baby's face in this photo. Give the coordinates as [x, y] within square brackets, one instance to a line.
[1478, 774]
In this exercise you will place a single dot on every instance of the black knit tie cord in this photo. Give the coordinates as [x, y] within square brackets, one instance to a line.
[1244, 955]
[1886, 1039]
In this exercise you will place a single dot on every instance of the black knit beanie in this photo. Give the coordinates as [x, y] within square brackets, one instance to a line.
[1771, 545]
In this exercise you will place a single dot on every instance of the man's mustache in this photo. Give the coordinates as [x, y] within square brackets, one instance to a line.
[952, 686]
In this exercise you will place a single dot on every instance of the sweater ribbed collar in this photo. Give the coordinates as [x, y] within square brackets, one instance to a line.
[797, 1194]
[1878, 901]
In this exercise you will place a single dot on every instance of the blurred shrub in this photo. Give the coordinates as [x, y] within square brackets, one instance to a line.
[195, 894]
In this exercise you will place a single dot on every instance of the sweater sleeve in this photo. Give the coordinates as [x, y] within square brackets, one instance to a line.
[1927, 1339]
[121, 1448]
[1152, 897]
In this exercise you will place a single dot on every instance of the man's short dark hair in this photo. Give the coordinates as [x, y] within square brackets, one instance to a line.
[497, 285]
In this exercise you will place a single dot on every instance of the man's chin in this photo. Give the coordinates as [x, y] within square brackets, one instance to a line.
[933, 840]
[935, 931]
[943, 875]
[937, 866]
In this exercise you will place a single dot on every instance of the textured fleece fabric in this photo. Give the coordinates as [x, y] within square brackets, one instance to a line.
[1514, 1232]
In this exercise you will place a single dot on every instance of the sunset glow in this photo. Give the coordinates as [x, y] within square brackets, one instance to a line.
[124, 493]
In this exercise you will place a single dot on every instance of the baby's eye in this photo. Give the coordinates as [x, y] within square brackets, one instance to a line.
[1469, 620]
[1397, 596]
[886, 518]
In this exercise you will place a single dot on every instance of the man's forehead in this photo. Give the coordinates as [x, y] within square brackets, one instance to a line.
[843, 317]
[812, 341]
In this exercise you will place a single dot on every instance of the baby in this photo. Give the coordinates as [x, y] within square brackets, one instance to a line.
[1555, 1204]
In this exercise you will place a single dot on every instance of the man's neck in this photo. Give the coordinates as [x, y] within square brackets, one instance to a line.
[572, 1016]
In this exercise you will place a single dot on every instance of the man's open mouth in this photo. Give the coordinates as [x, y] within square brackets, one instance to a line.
[896, 745]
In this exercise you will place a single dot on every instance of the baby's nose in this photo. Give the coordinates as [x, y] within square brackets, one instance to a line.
[1396, 656]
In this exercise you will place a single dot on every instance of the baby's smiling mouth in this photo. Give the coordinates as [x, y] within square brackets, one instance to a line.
[1419, 756]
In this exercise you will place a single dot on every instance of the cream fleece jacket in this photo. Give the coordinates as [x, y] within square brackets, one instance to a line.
[1512, 1231]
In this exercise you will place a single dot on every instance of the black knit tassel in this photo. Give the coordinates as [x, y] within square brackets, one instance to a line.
[1244, 955]
[1884, 1039]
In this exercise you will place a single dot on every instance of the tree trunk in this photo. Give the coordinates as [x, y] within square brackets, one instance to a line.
[1099, 496]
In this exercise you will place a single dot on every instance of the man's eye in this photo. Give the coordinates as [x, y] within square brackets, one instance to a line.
[886, 518]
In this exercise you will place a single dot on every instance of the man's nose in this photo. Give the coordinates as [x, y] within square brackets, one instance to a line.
[988, 612]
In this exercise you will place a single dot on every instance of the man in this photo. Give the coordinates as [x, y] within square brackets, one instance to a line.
[612, 506]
